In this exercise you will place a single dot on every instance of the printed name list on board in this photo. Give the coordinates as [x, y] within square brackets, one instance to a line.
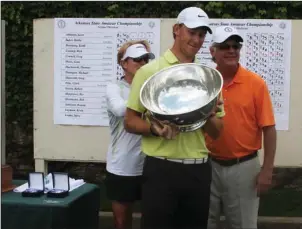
[267, 51]
[85, 61]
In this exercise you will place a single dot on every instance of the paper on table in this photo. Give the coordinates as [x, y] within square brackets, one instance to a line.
[48, 184]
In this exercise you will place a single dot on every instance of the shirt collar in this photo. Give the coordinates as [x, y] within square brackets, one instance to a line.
[172, 59]
[124, 82]
[239, 75]
[238, 78]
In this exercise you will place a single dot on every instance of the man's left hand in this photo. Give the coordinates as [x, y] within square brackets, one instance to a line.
[264, 181]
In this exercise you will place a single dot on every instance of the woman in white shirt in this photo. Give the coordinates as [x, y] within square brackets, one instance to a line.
[124, 158]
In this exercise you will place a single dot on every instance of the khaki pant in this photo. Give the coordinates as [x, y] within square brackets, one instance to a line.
[233, 192]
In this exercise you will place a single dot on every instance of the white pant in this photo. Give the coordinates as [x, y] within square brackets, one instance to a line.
[233, 192]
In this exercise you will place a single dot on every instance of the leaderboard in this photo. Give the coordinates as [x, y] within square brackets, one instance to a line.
[87, 66]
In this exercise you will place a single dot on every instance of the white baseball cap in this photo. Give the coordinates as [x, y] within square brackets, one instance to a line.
[193, 17]
[222, 33]
[137, 50]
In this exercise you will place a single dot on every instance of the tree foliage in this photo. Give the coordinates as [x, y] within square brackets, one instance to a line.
[19, 44]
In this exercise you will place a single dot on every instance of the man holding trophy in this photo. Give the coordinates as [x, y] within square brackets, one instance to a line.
[177, 173]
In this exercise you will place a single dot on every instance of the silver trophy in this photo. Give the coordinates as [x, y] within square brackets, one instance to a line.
[183, 94]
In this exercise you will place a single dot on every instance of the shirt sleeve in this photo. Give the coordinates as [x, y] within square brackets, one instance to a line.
[264, 107]
[115, 102]
[134, 102]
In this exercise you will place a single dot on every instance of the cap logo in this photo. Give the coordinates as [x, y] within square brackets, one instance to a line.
[201, 15]
[228, 29]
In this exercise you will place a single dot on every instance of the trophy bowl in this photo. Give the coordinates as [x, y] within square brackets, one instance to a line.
[184, 94]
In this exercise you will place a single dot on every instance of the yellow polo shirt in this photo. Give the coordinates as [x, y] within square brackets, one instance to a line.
[186, 144]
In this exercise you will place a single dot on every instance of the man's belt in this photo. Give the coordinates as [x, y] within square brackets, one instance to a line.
[186, 161]
[230, 162]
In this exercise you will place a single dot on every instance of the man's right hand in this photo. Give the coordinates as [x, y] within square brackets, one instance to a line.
[163, 129]
[217, 109]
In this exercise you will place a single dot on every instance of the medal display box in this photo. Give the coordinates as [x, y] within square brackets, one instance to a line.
[35, 185]
[61, 185]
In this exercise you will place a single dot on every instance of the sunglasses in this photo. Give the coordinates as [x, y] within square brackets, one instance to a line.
[227, 46]
[141, 58]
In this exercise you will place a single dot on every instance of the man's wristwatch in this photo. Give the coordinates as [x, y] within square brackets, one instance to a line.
[152, 132]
